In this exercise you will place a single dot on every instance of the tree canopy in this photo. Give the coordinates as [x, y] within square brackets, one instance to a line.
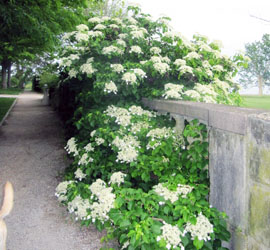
[258, 71]
[29, 27]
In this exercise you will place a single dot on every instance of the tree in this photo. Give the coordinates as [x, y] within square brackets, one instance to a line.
[258, 71]
[30, 27]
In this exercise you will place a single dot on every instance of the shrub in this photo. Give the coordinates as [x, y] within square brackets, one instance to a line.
[133, 173]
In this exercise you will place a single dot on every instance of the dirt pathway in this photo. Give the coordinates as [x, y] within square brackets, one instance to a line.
[31, 157]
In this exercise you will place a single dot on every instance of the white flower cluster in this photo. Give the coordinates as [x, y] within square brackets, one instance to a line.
[110, 87]
[99, 27]
[156, 135]
[95, 20]
[89, 148]
[112, 49]
[127, 148]
[192, 94]
[218, 68]
[99, 141]
[162, 68]
[135, 49]
[129, 77]
[81, 37]
[223, 85]
[202, 229]
[117, 178]
[138, 126]
[88, 68]
[186, 69]
[96, 33]
[72, 73]
[61, 190]
[79, 174]
[139, 72]
[172, 196]
[192, 55]
[180, 62]
[79, 207]
[85, 159]
[137, 110]
[105, 201]
[171, 234]
[155, 50]
[160, 59]
[121, 42]
[122, 115]
[82, 27]
[173, 91]
[205, 89]
[118, 68]
[71, 147]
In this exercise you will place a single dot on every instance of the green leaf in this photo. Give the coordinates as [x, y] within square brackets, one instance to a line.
[125, 223]
[198, 243]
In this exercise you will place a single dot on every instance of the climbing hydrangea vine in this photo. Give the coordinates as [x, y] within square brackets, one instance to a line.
[133, 172]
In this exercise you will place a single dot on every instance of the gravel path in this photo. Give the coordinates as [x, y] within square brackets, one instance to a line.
[31, 157]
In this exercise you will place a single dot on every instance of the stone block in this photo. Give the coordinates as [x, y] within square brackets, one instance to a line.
[259, 222]
[227, 169]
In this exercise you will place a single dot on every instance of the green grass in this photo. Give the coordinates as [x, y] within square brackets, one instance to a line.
[5, 104]
[255, 101]
[28, 86]
[11, 91]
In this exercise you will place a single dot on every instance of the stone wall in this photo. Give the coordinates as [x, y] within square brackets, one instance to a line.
[239, 166]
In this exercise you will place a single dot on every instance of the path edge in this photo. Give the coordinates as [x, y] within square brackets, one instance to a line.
[9, 110]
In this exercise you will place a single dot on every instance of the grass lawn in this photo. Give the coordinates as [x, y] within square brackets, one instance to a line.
[255, 101]
[11, 91]
[5, 104]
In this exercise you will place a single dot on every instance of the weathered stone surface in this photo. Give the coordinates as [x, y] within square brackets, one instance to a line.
[259, 223]
[228, 190]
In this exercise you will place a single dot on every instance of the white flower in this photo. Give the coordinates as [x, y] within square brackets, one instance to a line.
[162, 68]
[202, 229]
[117, 20]
[137, 34]
[221, 84]
[156, 59]
[139, 72]
[74, 57]
[117, 68]
[112, 49]
[171, 234]
[82, 27]
[122, 36]
[173, 91]
[79, 174]
[114, 26]
[155, 50]
[62, 187]
[95, 20]
[192, 55]
[92, 134]
[85, 159]
[99, 27]
[87, 68]
[121, 42]
[180, 62]
[96, 33]
[122, 115]
[135, 49]
[129, 77]
[132, 20]
[205, 89]
[192, 94]
[80, 207]
[105, 18]
[218, 68]
[186, 69]
[217, 43]
[71, 146]
[99, 141]
[209, 99]
[172, 196]
[110, 87]
[89, 148]
[81, 37]
[117, 178]
[72, 73]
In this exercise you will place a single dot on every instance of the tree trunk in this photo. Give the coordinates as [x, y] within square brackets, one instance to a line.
[9, 74]
[260, 85]
[4, 74]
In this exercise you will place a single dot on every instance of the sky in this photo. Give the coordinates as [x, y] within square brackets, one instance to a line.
[229, 21]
